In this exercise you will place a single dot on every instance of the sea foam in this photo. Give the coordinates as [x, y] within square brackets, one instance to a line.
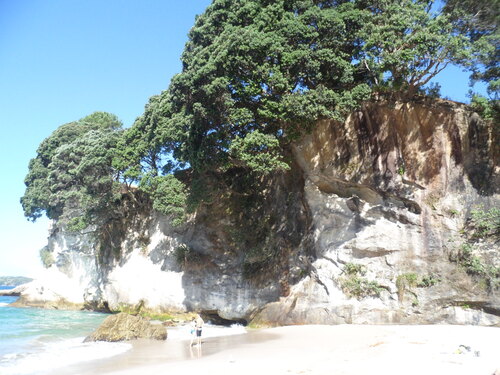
[209, 330]
[54, 355]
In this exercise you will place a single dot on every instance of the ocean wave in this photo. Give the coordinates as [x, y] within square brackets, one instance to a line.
[57, 355]
[3, 304]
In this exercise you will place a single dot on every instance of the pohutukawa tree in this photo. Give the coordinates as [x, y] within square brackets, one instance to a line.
[256, 75]
[268, 66]
[73, 170]
[265, 71]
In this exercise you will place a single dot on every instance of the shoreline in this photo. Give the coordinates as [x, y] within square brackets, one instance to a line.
[315, 349]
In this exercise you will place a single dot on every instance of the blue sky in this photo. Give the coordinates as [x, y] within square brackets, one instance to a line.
[61, 60]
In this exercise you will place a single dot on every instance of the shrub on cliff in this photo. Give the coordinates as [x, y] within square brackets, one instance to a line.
[480, 236]
[168, 195]
[353, 284]
[46, 257]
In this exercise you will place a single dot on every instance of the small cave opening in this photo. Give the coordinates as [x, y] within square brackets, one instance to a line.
[213, 317]
[102, 307]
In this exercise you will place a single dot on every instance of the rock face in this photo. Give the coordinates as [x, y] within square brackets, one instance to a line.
[360, 230]
[125, 327]
[390, 190]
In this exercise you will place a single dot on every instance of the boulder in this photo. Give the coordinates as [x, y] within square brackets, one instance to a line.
[123, 327]
[14, 292]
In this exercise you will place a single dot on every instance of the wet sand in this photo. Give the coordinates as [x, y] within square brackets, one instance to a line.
[337, 350]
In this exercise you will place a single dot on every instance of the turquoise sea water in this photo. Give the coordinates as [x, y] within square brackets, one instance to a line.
[36, 341]
[39, 341]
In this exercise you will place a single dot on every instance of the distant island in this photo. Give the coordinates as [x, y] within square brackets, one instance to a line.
[14, 280]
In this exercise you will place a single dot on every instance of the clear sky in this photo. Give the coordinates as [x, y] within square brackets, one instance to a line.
[61, 60]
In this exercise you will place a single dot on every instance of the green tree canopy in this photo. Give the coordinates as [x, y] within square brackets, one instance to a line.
[256, 75]
[271, 66]
[479, 20]
[276, 67]
[405, 45]
[73, 168]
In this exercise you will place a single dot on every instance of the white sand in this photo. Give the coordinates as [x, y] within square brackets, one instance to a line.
[332, 350]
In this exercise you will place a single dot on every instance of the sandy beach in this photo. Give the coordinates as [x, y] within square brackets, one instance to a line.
[338, 350]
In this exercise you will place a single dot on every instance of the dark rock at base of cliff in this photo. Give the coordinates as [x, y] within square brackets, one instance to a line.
[123, 327]
[9, 293]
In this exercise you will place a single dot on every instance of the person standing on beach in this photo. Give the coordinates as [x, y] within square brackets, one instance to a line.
[199, 328]
[192, 330]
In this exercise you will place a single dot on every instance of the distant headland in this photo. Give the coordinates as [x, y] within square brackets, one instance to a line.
[14, 280]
